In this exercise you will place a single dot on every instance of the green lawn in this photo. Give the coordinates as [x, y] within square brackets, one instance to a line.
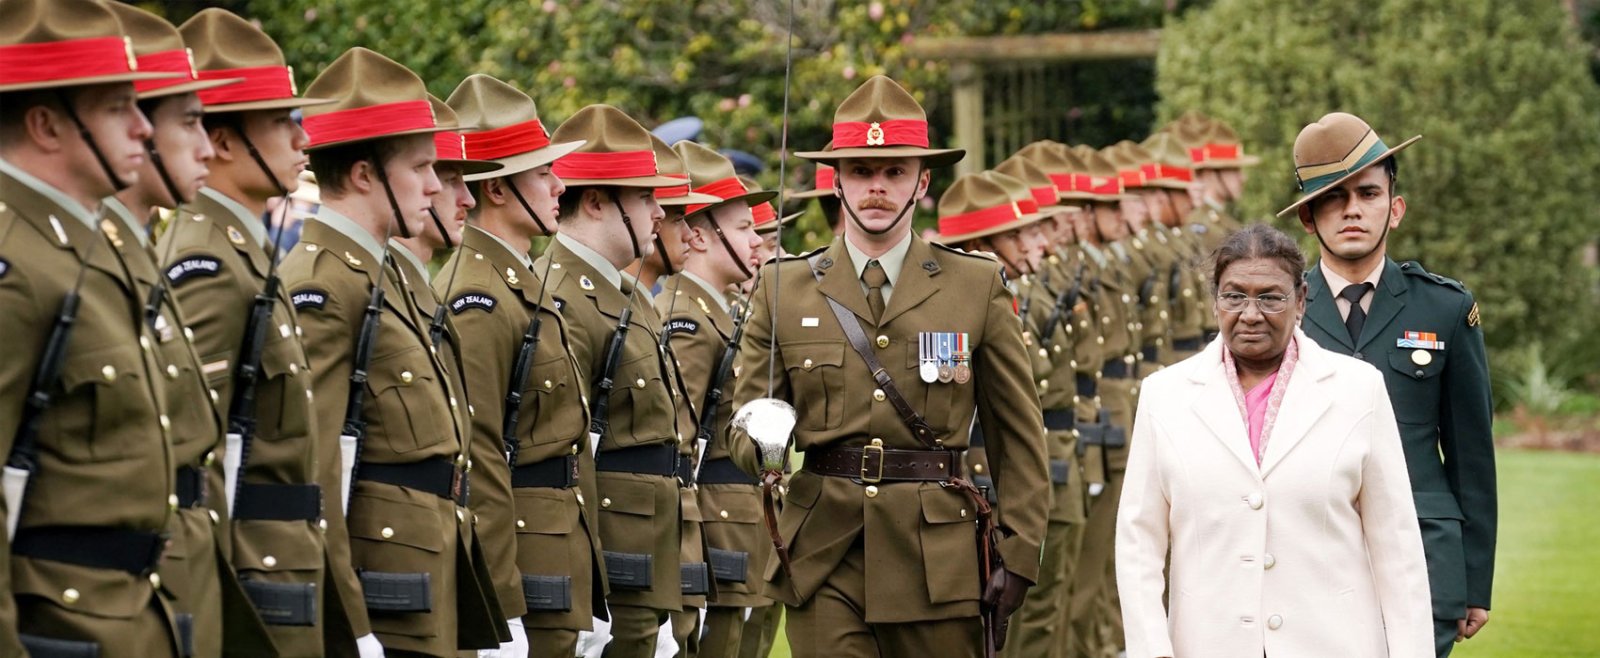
[1547, 580]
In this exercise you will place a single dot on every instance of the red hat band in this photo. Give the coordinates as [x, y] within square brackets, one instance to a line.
[763, 213]
[1166, 172]
[369, 122]
[894, 132]
[1043, 196]
[726, 188]
[514, 139]
[606, 166]
[676, 191]
[978, 220]
[1214, 152]
[450, 145]
[166, 61]
[26, 63]
[824, 178]
[257, 83]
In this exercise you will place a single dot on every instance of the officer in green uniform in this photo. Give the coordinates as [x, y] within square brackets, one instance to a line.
[878, 525]
[391, 452]
[532, 460]
[1423, 332]
[608, 217]
[89, 472]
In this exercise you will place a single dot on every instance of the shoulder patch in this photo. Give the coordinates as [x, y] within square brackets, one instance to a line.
[472, 300]
[1472, 316]
[309, 298]
[970, 254]
[1415, 269]
[683, 326]
[193, 266]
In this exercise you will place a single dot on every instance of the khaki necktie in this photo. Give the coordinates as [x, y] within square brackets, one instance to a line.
[874, 276]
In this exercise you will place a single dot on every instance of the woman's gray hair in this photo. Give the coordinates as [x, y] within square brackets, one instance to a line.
[1259, 241]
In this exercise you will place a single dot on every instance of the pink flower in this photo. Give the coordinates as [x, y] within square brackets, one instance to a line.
[744, 100]
[726, 104]
[875, 11]
[311, 14]
[569, 82]
[553, 67]
[549, 6]
[849, 72]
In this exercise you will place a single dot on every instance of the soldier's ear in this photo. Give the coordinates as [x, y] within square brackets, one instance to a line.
[1306, 221]
[1397, 211]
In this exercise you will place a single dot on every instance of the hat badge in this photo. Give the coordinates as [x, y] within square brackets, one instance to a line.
[875, 135]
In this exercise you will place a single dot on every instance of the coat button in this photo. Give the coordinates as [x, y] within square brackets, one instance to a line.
[1275, 622]
[461, 516]
[172, 501]
[215, 518]
[213, 393]
[977, 468]
[109, 372]
[548, 385]
[155, 580]
[166, 423]
[580, 499]
[172, 371]
[406, 377]
[211, 458]
[521, 524]
[1057, 348]
[723, 514]
[144, 343]
[872, 492]
[963, 513]
[387, 533]
[1044, 384]
[1253, 500]
[883, 341]
[877, 394]
[804, 364]
[269, 562]
[638, 383]
[1044, 354]
[294, 368]
[605, 502]
[70, 596]
[1268, 561]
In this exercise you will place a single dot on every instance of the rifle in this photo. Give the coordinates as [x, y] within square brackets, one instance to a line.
[1064, 304]
[246, 372]
[600, 399]
[519, 374]
[355, 428]
[708, 412]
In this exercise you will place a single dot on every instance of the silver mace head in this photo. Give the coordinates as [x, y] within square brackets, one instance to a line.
[769, 422]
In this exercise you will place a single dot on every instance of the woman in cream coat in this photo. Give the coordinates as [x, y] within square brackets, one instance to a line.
[1300, 542]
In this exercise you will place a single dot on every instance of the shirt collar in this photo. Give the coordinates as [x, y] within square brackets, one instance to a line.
[721, 298]
[522, 257]
[350, 229]
[890, 260]
[252, 224]
[607, 271]
[49, 191]
[416, 263]
[114, 208]
[1337, 283]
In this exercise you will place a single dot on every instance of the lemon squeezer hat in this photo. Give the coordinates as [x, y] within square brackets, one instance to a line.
[451, 145]
[51, 44]
[712, 174]
[159, 47]
[880, 119]
[980, 205]
[671, 166]
[375, 98]
[1046, 197]
[1167, 162]
[1334, 149]
[616, 151]
[225, 46]
[502, 125]
[1071, 175]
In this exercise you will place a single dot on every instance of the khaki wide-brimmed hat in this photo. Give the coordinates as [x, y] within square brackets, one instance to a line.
[880, 119]
[616, 151]
[671, 166]
[979, 205]
[49, 44]
[1168, 162]
[1129, 158]
[1069, 173]
[451, 145]
[375, 98]
[821, 181]
[226, 46]
[504, 126]
[1212, 145]
[1336, 147]
[765, 213]
[1042, 190]
[712, 173]
[157, 46]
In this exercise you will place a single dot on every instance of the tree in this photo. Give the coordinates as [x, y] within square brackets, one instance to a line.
[1501, 189]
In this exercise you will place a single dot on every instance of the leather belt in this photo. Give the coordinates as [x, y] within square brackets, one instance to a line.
[1114, 369]
[659, 459]
[724, 471]
[1059, 419]
[191, 487]
[278, 502]
[554, 473]
[871, 464]
[439, 477]
[1188, 344]
[133, 551]
[1152, 354]
[1087, 386]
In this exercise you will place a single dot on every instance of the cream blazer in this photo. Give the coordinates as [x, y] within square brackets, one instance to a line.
[1316, 552]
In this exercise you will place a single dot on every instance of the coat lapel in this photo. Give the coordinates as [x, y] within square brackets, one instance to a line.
[1321, 310]
[1303, 404]
[1387, 302]
[915, 282]
[839, 281]
[1217, 408]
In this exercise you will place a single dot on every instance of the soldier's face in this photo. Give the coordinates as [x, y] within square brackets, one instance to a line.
[111, 115]
[1353, 218]
[1232, 183]
[1108, 218]
[451, 204]
[768, 248]
[185, 150]
[1182, 204]
[413, 181]
[542, 189]
[644, 218]
[281, 143]
[1251, 334]
[739, 226]
[1156, 205]
[878, 188]
[1034, 243]
[1211, 186]
[673, 232]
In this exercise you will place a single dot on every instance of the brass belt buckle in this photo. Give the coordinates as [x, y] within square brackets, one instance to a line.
[867, 452]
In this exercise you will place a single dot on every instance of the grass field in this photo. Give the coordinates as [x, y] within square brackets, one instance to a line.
[1547, 579]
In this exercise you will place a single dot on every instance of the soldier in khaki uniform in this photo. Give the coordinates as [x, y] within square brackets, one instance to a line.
[878, 524]
[1168, 164]
[1152, 255]
[533, 462]
[406, 476]
[608, 216]
[722, 243]
[217, 257]
[88, 523]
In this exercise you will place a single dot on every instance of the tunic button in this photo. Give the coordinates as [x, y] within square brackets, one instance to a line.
[189, 334]
[70, 596]
[1254, 500]
[805, 364]
[1100, 340]
[1269, 561]
[172, 501]
[872, 492]
[172, 371]
[452, 402]
[963, 513]
[877, 394]
[883, 341]
[1057, 349]
[269, 562]
[144, 343]
[166, 423]
[723, 514]
[406, 377]
[1044, 384]
[155, 580]
[215, 518]
[977, 468]
[605, 502]
[580, 499]
[387, 533]
[109, 372]
[1275, 622]
[1043, 353]
[521, 524]
[461, 516]
[322, 524]
[211, 458]
[548, 384]
[283, 330]
[638, 383]
[294, 368]
[213, 393]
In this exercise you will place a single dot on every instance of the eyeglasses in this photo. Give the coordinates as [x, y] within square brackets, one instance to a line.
[1270, 303]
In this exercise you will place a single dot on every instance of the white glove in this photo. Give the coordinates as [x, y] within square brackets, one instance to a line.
[666, 645]
[593, 643]
[367, 646]
[518, 646]
[347, 469]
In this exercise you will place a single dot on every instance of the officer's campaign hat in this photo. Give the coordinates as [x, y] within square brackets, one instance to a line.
[502, 125]
[225, 47]
[50, 44]
[1333, 149]
[616, 151]
[880, 119]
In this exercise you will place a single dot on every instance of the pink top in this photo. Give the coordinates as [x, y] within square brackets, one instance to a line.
[1260, 404]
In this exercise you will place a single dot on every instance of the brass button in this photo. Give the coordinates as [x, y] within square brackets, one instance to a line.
[723, 514]
[188, 333]
[1101, 340]
[406, 377]
[172, 371]
[638, 383]
[548, 385]
[877, 394]
[1044, 384]
[877, 441]
[70, 596]
[172, 501]
[883, 341]
[804, 364]
[269, 562]
[1057, 349]
[872, 492]
[298, 332]
[211, 458]
[166, 423]
[387, 533]
[963, 513]
[322, 524]
[574, 448]
[1043, 354]
[109, 372]
[213, 393]
[977, 468]
[283, 330]
[155, 580]
[461, 516]
[215, 518]
[452, 402]
[294, 368]
[580, 499]
[521, 524]
[144, 343]
[605, 502]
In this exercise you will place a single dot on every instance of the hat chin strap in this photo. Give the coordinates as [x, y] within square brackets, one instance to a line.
[627, 223]
[394, 205]
[512, 183]
[728, 247]
[838, 186]
[666, 262]
[161, 170]
[117, 184]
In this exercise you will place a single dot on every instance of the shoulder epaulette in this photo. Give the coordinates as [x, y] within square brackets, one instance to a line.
[971, 254]
[1414, 268]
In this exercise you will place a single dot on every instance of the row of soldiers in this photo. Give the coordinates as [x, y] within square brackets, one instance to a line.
[220, 446]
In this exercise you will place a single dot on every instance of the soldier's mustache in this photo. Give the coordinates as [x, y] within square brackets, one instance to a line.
[877, 203]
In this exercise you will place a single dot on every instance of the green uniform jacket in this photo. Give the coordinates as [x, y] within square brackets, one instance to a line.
[639, 513]
[917, 536]
[1441, 399]
[545, 533]
[104, 445]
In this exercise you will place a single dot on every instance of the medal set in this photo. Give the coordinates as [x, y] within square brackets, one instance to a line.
[944, 357]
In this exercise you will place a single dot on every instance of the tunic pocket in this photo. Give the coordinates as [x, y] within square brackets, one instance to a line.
[408, 402]
[949, 540]
[816, 380]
